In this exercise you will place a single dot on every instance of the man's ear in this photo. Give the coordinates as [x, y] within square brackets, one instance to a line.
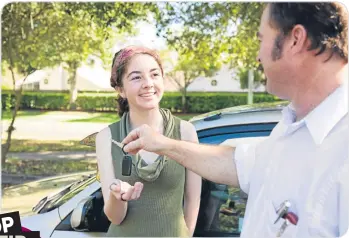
[298, 39]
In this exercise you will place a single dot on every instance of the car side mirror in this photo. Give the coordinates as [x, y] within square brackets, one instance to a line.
[79, 220]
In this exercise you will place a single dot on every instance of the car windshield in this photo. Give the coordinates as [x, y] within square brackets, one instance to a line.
[23, 197]
[50, 202]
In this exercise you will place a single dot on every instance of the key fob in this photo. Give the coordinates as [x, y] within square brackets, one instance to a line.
[126, 165]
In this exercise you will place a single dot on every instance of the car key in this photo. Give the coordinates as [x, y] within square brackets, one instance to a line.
[126, 164]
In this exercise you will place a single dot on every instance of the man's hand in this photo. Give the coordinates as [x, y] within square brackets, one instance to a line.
[143, 138]
[215, 163]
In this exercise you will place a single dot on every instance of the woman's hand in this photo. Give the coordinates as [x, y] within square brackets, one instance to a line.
[123, 191]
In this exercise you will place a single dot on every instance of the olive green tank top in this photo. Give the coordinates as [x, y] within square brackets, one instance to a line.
[159, 210]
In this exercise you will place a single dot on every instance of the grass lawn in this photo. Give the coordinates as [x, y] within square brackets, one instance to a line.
[112, 117]
[7, 115]
[103, 117]
[92, 117]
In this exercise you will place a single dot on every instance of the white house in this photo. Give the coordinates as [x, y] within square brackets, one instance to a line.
[90, 77]
[93, 77]
[224, 80]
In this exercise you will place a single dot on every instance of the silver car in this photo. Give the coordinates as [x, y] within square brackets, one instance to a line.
[75, 206]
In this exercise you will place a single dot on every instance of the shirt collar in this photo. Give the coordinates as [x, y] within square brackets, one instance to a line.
[328, 113]
[323, 118]
[289, 124]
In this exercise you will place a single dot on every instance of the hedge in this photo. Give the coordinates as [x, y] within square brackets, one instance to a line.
[197, 102]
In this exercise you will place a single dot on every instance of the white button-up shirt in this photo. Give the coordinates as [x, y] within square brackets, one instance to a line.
[305, 162]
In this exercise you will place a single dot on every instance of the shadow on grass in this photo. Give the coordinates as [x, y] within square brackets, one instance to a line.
[47, 167]
[44, 146]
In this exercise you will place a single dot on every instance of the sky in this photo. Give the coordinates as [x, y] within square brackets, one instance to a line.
[146, 36]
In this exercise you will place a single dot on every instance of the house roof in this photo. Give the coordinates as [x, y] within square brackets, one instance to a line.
[96, 75]
[37, 76]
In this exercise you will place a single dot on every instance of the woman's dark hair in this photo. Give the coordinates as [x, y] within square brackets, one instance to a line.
[119, 67]
[326, 25]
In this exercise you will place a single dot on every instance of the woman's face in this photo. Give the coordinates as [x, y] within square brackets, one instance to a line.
[143, 84]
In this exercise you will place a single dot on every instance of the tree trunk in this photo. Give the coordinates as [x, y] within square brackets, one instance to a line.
[5, 148]
[184, 100]
[73, 90]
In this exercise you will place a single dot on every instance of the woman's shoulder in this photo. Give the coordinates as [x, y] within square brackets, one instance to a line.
[104, 134]
[188, 131]
[187, 125]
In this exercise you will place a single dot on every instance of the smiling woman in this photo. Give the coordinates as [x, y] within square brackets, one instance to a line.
[137, 75]
[169, 203]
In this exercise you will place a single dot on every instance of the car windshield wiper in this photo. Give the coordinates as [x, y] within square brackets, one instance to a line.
[50, 198]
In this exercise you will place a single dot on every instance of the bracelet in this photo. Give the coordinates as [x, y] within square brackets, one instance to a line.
[122, 198]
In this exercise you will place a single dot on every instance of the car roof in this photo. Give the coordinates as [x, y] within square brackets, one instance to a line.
[240, 115]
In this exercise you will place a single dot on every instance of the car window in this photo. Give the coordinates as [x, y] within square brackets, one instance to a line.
[222, 210]
[220, 134]
[222, 207]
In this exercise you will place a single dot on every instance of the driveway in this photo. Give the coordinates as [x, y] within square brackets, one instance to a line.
[52, 126]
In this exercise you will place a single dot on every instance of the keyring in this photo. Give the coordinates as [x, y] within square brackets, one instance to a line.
[123, 149]
[111, 185]
[122, 198]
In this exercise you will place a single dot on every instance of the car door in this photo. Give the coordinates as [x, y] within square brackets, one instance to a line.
[222, 207]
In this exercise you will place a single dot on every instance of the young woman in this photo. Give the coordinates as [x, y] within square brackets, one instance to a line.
[160, 197]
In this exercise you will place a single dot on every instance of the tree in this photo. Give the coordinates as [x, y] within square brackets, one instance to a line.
[190, 65]
[223, 32]
[40, 35]
[25, 48]
[258, 78]
[87, 28]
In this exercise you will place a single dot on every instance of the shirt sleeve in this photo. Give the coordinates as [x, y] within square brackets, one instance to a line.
[344, 204]
[244, 157]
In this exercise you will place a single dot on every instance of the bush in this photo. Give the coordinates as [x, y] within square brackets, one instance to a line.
[198, 102]
[91, 102]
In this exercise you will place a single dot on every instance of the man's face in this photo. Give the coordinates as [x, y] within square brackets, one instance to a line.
[273, 58]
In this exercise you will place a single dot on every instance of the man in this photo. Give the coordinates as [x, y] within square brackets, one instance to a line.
[304, 163]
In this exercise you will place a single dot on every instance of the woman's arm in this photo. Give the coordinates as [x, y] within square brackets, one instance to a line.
[192, 183]
[114, 208]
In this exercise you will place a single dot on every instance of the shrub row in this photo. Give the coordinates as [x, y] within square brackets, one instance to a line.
[105, 102]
